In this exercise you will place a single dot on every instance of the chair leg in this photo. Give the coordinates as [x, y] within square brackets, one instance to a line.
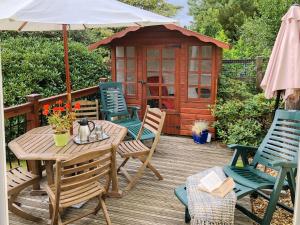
[122, 164]
[136, 177]
[155, 171]
[187, 217]
[18, 211]
[292, 185]
[104, 209]
[274, 197]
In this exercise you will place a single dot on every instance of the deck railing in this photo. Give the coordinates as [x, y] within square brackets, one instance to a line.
[22, 118]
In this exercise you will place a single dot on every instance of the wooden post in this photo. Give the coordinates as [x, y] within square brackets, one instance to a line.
[33, 121]
[259, 72]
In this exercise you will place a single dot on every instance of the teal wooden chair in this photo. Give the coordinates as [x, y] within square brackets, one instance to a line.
[278, 151]
[115, 109]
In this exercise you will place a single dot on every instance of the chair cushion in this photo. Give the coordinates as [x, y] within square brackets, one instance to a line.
[250, 177]
[133, 148]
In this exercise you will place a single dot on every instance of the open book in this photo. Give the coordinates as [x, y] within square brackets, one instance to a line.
[213, 184]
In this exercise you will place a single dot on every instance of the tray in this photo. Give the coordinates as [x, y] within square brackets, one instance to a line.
[77, 140]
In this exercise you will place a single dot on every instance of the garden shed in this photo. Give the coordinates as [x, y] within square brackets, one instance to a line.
[169, 67]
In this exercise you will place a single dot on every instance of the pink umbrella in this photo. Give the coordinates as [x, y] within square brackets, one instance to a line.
[283, 71]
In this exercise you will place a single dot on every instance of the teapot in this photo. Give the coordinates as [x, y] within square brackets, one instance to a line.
[84, 130]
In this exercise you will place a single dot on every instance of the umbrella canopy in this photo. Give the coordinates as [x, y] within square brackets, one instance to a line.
[48, 15]
[283, 71]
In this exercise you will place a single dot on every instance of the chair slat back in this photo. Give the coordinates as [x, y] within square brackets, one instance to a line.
[282, 140]
[88, 109]
[154, 121]
[112, 99]
[85, 169]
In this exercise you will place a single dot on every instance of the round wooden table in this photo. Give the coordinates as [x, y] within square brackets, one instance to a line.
[38, 145]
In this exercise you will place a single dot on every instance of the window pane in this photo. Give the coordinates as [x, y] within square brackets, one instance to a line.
[167, 91]
[152, 52]
[130, 51]
[194, 52]
[192, 92]
[168, 78]
[168, 65]
[206, 52]
[131, 90]
[206, 65]
[130, 65]
[193, 79]
[153, 65]
[194, 65]
[206, 79]
[204, 93]
[152, 77]
[120, 65]
[153, 91]
[168, 53]
[120, 76]
[131, 76]
[167, 104]
[153, 103]
[119, 51]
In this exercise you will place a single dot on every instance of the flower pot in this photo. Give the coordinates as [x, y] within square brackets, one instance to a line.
[61, 139]
[200, 138]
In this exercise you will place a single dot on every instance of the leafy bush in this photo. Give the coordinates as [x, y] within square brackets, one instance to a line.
[242, 117]
[35, 64]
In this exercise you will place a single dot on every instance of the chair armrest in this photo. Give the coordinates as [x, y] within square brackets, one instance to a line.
[134, 107]
[280, 163]
[242, 147]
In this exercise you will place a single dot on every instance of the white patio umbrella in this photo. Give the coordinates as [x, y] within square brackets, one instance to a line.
[54, 15]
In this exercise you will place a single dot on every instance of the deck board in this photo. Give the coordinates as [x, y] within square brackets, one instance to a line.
[151, 202]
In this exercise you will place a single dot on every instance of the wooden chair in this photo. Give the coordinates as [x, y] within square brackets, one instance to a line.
[278, 151]
[115, 109]
[154, 121]
[17, 180]
[88, 109]
[78, 180]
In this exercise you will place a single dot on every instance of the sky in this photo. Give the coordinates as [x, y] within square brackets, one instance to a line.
[182, 16]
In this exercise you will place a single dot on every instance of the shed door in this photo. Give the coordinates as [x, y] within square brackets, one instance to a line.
[160, 83]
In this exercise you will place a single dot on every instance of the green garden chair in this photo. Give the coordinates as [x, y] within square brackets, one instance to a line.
[115, 109]
[278, 151]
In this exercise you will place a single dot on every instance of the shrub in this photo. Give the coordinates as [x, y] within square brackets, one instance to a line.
[36, 65]
[242, 117]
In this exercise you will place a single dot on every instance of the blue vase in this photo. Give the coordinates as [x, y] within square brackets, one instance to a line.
[196, 138]
[203, 137]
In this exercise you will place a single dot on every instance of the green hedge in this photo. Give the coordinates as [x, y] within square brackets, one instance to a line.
[242, 117]
[35, 64]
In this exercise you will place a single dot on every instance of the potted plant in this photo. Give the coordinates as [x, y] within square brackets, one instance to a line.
[200, 132]
[60, 118]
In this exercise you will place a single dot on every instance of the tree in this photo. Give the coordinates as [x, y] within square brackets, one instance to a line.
[158, 6]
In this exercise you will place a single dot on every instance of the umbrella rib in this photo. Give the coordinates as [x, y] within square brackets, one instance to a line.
[22, 26]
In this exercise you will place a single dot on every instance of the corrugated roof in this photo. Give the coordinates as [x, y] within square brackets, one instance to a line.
[182, 30]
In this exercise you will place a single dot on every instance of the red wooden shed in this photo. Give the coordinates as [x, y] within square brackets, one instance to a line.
[169, 67]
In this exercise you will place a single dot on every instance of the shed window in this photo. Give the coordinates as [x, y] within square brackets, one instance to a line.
[200, 72]
[126, 68]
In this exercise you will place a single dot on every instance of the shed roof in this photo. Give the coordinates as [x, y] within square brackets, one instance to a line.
[182, 30]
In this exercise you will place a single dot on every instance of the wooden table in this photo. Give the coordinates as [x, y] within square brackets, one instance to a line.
[38, 145]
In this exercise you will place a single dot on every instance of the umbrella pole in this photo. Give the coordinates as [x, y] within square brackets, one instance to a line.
[67, 69]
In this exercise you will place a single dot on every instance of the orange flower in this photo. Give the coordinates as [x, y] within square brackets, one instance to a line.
[68, 106]
[77, 105]
[59, 102]
[58, 109]
[45, 112]
[46, 107]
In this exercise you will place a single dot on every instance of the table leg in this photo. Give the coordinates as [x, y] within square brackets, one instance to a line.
[115, 191]
[50, 172]
[35, 167]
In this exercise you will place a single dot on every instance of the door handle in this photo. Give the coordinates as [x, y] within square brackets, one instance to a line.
[142, 82]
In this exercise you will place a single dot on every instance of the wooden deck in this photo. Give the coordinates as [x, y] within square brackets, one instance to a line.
[151, 201]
